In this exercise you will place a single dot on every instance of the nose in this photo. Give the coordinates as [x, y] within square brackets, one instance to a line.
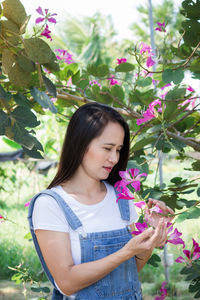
[114, 157]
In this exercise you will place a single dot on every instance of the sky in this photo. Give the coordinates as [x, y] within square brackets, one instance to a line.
[123, 13]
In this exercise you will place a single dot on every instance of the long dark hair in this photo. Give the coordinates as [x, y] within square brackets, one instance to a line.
[87, 123]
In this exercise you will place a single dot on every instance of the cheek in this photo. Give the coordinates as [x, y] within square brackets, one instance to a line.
[94, 155]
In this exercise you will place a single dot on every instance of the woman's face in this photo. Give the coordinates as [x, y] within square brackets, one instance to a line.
[103, 152]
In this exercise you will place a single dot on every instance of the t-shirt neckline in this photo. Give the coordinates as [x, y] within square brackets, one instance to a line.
[88, 206]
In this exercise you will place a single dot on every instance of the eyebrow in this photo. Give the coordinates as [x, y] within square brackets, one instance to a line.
[111, 144]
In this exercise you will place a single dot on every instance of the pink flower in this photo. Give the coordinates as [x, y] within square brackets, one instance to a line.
[113, 81]
[27, 204]
[140, 228]
[150, 113]
[125, 194]
[174, 238]
[161, 27]
[121, 60]
[145, 48]
[47, 16]
[65, 56]
[2, 219]
[150, 62]
[140, 204]
[163, 291]
[53, 99]
[156, 209]
[192, 255]
[46, 32]
[166, 85]
[190, 89]
[132, 177]
[190, 101]
[93, 82]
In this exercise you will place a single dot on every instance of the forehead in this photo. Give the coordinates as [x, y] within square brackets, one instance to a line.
[113, 132]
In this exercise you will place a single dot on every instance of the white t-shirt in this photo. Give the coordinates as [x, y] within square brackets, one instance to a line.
[103, 216]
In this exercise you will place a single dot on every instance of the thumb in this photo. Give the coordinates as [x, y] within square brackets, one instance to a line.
[147, 233]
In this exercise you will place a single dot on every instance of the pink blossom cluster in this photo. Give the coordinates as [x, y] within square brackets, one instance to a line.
[65, 56]
[2, 219]
[93, 82]
[190, 101]
[46, 17]
[191, 255]
[121, 60]
[112, 80]
[144, 48]
[163, 292]
[151, 112]
[161, 27]
[130, 177]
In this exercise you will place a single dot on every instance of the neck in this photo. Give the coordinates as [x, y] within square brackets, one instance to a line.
[83, 185]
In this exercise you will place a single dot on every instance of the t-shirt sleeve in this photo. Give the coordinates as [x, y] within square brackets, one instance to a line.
[133, 213]
[48, 215]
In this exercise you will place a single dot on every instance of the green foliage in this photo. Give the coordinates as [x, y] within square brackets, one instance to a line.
[14, 10]
[37, 50]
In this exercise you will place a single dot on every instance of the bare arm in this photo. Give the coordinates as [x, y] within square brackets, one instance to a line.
[70, 278]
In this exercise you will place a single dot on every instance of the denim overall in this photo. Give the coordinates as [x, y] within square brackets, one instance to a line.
[120, 284]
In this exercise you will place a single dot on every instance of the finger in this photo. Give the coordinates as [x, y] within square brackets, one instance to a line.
[146, 234]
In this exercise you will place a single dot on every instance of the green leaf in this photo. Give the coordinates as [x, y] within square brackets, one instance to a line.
[4, 121]
[144, 81]
[14, 10]
[36, 289]
[25, 63]
[178, 76]
[171, 107]
[38, 50]
[198, 192]
[22, 136]
[176, 93]
[51, 88]
[43, 99]
[21, 100]
[83, 83]
[192, 213]
[154, 260]
[167, 75]
[143, 142]
[28, 236]
[45, 289]
[125, 67]
[76, 77]
[173, 75]
[98, 71]
[102, 70]
[3, 93]
[34, 153]
[11, 143]
[18, 76]
[117, 91]
[196, 165]
[10, 32]
[25, 116]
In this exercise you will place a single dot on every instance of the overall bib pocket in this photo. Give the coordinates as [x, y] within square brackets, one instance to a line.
[120, 281]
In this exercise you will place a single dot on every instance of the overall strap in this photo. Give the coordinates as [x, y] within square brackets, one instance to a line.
[72, 219]
[124, 208]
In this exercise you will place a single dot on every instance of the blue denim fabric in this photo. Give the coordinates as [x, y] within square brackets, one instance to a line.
[120, 284]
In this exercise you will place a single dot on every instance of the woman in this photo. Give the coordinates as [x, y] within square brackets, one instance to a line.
[82, 236]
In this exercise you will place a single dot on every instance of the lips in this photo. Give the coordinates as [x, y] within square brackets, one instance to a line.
[108, 169]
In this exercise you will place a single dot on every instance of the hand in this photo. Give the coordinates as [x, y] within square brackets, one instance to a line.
[148, 239]
[152, 217]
